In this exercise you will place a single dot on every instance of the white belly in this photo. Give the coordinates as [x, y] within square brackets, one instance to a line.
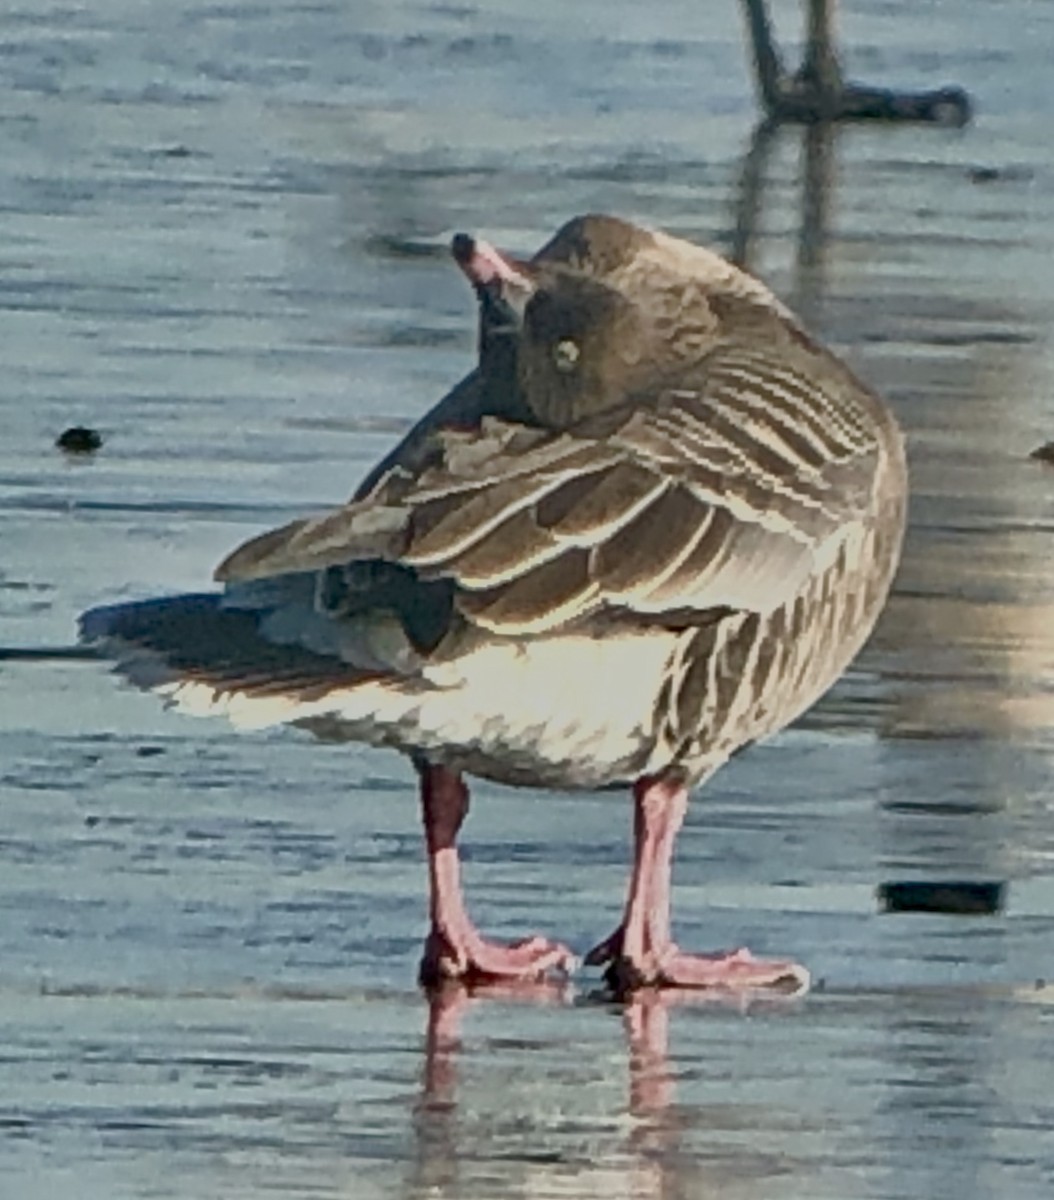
[562, 712]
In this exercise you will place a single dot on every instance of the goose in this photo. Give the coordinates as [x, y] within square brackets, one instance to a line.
[652, 527]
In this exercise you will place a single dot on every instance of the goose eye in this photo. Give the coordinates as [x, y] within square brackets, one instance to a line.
[566, 354]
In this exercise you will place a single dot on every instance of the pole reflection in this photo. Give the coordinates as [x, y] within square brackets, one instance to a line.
[963, 657]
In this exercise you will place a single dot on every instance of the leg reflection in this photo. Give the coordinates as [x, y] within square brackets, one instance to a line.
[646, 1020]
[520, 1103]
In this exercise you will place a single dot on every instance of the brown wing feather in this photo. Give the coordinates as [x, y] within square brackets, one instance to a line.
[718, 493]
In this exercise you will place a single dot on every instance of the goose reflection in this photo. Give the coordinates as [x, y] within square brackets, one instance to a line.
[529, 1116]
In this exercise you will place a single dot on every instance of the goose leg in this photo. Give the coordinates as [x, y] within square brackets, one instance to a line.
[454, 948]
[627, 948]
[641, 952]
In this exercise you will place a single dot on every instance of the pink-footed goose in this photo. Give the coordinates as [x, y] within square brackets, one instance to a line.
[653, 527]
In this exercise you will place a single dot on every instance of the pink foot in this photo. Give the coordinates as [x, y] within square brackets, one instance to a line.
[734, 970]
[471, 958]
[670, 967]
[455, 949]
[641, 953]
[727, 971]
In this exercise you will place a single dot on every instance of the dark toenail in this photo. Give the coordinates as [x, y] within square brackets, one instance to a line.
[624, 977]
